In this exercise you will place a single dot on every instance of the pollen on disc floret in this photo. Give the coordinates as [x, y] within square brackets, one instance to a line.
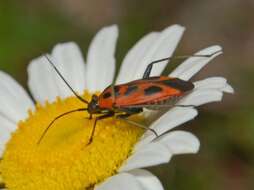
[62, 160]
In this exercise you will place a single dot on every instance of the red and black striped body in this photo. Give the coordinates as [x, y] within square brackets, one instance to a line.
[150, 91]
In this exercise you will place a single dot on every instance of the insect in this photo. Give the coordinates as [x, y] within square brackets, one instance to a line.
[125, 100]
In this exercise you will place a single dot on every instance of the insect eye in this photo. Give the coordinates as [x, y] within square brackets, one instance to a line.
[95, 98]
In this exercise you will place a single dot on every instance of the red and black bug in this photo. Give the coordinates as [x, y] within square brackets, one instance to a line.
[127, 99]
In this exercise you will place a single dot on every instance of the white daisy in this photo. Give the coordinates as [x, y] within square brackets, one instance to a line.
[119, 151]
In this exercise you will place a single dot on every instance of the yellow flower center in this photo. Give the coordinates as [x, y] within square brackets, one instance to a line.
[63, 160]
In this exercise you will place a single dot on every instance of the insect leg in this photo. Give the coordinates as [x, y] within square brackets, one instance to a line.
[150, 66]
[90, 116]
[184, 106]
[124, 118]
[110, 114]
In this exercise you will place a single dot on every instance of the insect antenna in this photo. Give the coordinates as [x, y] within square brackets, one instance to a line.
[69, 86]
[58, 117]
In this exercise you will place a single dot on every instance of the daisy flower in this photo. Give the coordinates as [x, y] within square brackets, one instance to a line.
[119, 151]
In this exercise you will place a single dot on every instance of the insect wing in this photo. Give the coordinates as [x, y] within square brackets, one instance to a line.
[151, 92]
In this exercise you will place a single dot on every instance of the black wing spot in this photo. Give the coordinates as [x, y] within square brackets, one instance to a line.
[117, 90]
[179, 84]
[130, 90]
[106, 95]
[152, 90]
[109, 90]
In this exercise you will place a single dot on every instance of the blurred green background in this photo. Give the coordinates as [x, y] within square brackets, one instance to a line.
[29, 28]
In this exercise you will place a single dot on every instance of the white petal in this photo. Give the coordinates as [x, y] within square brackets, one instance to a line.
[69, 61]
[122, 181]
[7, 124]
[101, 59]
[174, 117]
[194, 64]
[180, 142]
[150, 155]
[199, 97]
[134, 57]
[228, 88]
[147, 179]
[43, 81]
[164, 47]
[211, 83]
[6, 127]
[218, 83]
[134, 180]
[14, 100]
[153, 47]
